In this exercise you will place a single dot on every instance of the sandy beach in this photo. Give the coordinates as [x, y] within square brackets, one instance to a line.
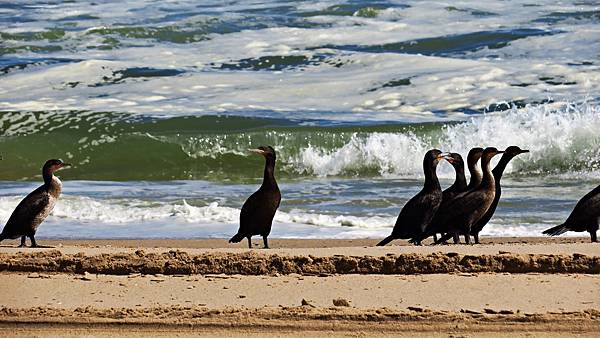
[341, 287]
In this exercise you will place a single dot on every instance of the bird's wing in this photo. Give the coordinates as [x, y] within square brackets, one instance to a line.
[417, 212]
[248, 209]
[587, 207]
[462, 206]
[26, 211]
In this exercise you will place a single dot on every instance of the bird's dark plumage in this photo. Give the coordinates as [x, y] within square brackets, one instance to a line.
[438, 224]
[35, 207]
[417, 213]
[509, 154]
[259, 209]
[467, 208]
[476, 176]
[584, 217]
[460, 181]
[459, 185]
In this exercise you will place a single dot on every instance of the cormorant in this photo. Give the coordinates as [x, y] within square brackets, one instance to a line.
[509, 154]
[584, 217]
[259, 209]
[418, 212]
[34, 208]
[467, 208]
[459, 185]
[438, 225]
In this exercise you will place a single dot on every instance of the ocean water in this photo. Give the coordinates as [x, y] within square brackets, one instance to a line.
[156, 103]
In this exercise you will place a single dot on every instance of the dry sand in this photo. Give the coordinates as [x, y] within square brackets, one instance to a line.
[548, 287]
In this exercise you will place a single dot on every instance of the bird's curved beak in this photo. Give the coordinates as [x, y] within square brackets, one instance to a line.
[257, 151]
[445, 156]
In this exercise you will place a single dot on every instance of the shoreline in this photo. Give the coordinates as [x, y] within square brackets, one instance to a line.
[277, 243]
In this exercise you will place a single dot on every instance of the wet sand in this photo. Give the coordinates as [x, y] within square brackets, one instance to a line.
[340, 287]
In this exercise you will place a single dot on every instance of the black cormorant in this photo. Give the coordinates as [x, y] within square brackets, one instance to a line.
[438, 225]
[584, 217]
[459, 185]
[417, 213]
[259, 209]
[467, 208]
[34, 208]
[509, 154]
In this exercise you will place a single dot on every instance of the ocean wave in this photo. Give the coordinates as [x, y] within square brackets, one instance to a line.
[561, 136]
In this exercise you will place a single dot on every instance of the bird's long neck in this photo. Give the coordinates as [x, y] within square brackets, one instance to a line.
[431, 179]
[476, 178]
[488, 181]
[500, 167]
[52, 183]
[269, 176]
[48, 175]
[460, 180]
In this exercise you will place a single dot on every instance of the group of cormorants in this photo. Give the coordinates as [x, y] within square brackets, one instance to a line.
[461, 209]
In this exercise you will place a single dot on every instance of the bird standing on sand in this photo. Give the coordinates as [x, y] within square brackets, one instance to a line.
[459, 185]
[509, 154]
[469, 207]
[259, 209]
[438, 224]
[34, 208]
[584, 217]
[418, 212]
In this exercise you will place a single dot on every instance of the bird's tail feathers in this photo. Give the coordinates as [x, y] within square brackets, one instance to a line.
[237, 238]
[386, 240]
[557, 230]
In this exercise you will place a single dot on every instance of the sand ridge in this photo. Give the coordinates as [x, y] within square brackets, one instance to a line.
[263, 263]
[295, 321]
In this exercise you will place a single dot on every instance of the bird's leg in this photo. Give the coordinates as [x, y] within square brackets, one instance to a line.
[249, 243]
[443, 239]
[33, 243]
[593, 236]
[22, 242]
[476, 237]
[266, 242]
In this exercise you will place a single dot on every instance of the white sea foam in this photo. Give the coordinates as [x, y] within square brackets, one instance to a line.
[562, 139]
[87, 210]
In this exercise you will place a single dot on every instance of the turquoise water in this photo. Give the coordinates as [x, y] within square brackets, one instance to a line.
[155, 103]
